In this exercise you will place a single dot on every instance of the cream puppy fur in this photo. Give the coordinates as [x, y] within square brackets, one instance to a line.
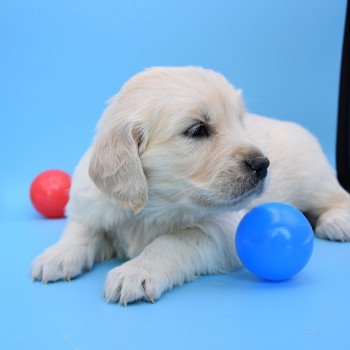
[175, 163]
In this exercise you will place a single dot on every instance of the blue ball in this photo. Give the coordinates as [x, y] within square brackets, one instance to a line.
[274, 241]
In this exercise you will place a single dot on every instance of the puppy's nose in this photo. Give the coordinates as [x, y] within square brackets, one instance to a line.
[259, 165]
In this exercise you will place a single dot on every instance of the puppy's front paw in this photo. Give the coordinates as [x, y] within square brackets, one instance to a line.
[61, 262]
[134, 281]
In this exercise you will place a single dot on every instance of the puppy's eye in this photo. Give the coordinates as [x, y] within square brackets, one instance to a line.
[198, 131]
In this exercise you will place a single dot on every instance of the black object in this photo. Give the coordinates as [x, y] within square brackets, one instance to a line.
[343, 129]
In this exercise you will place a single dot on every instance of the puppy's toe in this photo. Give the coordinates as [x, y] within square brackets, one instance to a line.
[47, 268]
[334, 225]
[131, 282]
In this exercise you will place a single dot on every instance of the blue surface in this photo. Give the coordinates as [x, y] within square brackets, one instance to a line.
[60, 60]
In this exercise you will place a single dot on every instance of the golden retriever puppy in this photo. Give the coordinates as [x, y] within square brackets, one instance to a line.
[175, 163]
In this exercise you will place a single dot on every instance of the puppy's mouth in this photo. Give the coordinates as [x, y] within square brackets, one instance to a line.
[234, 199]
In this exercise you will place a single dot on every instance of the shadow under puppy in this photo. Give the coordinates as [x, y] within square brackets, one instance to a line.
[174, 165]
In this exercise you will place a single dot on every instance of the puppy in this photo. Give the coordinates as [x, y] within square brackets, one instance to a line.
[175, 163]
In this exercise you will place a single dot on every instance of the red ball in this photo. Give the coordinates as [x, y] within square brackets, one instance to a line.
[49, 193]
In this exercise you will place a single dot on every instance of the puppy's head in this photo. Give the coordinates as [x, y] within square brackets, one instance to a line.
[177, 136]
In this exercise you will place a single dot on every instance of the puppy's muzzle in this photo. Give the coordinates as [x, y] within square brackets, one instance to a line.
[257, 166]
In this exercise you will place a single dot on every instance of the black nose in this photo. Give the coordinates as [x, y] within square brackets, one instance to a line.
[259, 165]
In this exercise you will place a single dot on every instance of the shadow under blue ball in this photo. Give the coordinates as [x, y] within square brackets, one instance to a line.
[274, 241]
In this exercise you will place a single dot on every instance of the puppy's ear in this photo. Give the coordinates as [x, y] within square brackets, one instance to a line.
[115, 165]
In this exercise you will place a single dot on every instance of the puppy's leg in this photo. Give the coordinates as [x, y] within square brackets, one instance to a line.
[327, 203]
[76, 251]
[168, 261]
[333, 221]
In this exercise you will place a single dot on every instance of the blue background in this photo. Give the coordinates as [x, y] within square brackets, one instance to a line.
[59, 62]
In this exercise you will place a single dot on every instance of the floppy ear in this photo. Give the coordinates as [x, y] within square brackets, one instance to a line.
[115, 165]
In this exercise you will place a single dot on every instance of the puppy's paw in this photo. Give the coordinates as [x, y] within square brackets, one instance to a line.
[134, 281]
[334, 225]
[61, 262]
